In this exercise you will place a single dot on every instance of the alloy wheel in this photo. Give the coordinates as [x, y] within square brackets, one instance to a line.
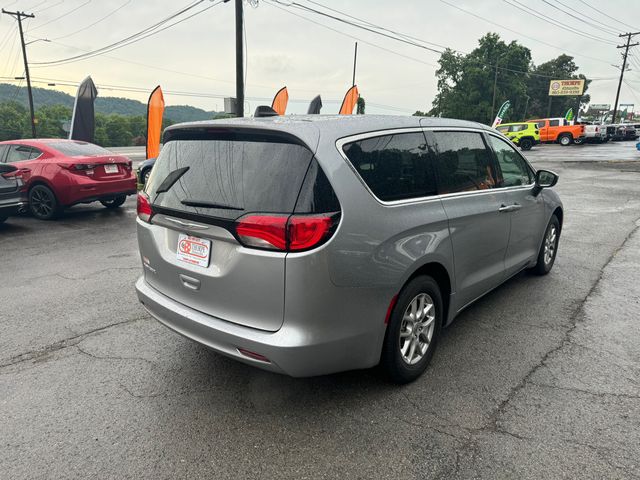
[416, 330]
[550, 243]
[41, 202]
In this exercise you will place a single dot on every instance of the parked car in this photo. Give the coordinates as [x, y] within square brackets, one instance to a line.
[559, 130]
[387, 228]
[523, 134]
[622, 131]
[594, 134]
[11, 201]
[60, 173]
[144, 170]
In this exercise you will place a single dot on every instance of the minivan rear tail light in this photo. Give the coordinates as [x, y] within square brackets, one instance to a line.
[144, 207]
[290, 233]
[306, 231]
[263, 231]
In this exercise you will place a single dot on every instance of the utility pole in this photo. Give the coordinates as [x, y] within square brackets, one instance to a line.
[19, 16]
[624, 65]
[495, 84]
[239, 60]
[355, 58]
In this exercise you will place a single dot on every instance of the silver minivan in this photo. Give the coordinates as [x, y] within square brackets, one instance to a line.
[308, 245]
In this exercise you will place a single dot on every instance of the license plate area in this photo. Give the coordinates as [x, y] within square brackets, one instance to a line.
[193, 250]
[110, 169]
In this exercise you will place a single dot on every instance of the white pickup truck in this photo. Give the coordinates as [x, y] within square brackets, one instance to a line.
[593, 134]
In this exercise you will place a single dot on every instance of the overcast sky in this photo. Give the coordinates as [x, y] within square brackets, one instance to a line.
[309, 59]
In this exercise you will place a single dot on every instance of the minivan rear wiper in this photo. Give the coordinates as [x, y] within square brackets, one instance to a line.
[170, 179]
[204, 204]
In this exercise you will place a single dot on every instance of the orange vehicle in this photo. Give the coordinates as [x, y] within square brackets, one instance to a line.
[559, 130]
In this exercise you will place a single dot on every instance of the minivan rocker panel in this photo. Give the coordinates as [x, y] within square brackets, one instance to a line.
[313, 274]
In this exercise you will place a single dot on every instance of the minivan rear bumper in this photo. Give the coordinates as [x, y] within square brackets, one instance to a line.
[290, 350]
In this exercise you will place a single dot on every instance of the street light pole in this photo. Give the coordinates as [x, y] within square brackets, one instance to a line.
[19, 16]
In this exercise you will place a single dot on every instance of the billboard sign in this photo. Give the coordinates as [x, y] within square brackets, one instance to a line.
[600, 106]
[566, 87]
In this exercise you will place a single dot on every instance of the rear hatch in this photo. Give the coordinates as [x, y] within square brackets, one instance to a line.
[203, 184]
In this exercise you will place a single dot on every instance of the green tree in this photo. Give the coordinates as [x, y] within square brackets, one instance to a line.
[50, 119]
[465, 82]
[560, 68]
[117, 130]
[14, 121]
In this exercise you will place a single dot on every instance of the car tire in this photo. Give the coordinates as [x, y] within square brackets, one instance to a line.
[409, 345]
[549, 247]
[526, 144]
[565, 140]
[114, 202]
[579, 141]
[43, 203]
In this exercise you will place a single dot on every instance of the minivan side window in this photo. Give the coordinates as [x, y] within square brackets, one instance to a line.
[463, 162]
[514, 169]
[394, 167]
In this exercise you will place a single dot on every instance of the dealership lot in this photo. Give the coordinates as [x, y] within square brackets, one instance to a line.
[539, 379]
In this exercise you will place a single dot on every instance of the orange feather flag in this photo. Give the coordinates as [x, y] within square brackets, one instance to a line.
[155, 110]
[280, 101]
[350, 100]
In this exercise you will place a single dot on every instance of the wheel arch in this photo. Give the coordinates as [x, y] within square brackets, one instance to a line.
[441, 275]
[560, 214]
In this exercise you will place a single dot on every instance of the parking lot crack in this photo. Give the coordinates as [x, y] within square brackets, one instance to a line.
[492, 423]
[108, 357]
[587, 392]
[72, 341]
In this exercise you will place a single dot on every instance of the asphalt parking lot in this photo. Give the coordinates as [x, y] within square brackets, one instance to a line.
[539, 379]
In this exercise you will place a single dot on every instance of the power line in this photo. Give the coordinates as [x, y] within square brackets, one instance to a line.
[607, 15]
[61, 16]
[523, 35]
[96, 22]
[362, 27]
[580, 19]
[266, 2]
[147, 32]
[584, 15]
[503, 67]
[39, 12]
[556, 23]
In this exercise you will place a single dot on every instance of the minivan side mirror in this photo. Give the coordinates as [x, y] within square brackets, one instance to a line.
[545, 179]
[7, 168]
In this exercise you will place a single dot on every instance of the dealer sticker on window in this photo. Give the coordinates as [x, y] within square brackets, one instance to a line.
[193, 250]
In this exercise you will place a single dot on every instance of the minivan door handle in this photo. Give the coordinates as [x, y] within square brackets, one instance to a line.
[510, 208]
[190, 282]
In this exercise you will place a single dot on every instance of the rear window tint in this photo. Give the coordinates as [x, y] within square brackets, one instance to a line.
[394, 167]
[230, 177]
[78, 149]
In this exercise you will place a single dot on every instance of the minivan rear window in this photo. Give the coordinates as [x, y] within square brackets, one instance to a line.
[228, 177]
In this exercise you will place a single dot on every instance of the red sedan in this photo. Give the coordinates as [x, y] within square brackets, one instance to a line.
[59, 173]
